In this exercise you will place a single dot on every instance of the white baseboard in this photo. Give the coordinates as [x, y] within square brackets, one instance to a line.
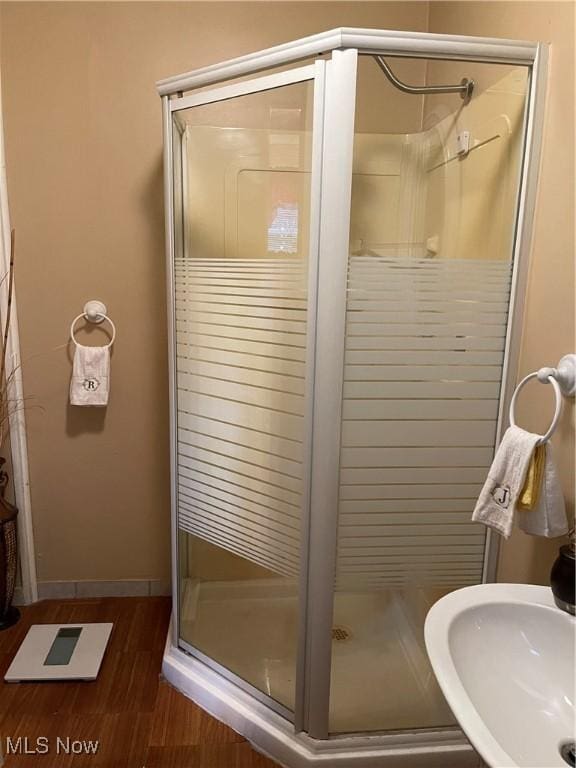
[67, 590]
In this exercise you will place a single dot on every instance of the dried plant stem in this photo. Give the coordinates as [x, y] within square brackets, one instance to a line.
[9, 306]
[6, 407]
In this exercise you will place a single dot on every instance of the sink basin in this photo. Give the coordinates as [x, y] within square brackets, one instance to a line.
[503, 655]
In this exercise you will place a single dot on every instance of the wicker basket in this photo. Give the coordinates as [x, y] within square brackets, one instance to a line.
[8, 555]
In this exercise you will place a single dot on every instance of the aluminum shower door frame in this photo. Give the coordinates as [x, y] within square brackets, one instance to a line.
[313, 73]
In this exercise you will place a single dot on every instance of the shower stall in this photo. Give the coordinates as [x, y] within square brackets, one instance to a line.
[347, 254]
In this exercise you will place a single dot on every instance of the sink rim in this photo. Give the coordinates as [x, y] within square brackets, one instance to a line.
[437, 632]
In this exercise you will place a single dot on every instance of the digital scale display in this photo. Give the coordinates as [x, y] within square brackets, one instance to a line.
[63, 646]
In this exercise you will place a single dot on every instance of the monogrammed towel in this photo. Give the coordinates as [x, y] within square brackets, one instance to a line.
[90, 382]
[498, 498]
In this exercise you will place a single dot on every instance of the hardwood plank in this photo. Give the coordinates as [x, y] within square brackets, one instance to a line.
[180, 722]
[122, 740]
[33, 728]
[250, 758]
[207, 756]
[199, 756]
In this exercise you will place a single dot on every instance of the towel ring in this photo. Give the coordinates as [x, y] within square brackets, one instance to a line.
[97, 319]
[551, 380]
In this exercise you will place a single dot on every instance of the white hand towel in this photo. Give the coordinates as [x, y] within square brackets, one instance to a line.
[90, 382]
[496, 504]
[548, 518]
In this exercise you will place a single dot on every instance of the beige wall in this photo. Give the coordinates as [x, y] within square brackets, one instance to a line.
[83, 135]
[549, 319]
[84, 143]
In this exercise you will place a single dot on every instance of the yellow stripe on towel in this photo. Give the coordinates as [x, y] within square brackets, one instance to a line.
[531, 488]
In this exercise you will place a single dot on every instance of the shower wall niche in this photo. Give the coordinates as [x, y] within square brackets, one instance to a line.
[342, 258]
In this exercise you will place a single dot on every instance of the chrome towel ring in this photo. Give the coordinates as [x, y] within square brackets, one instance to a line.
[93, 312]
[563, 380]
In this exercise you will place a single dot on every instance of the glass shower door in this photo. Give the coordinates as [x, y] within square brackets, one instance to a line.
[243, 252]
[428, 281]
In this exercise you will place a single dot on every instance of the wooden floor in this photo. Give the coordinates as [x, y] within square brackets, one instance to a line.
[138, 720]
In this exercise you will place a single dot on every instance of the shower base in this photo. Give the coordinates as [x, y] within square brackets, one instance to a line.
[381, 678]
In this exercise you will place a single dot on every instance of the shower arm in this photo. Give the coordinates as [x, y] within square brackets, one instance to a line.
[465, 87]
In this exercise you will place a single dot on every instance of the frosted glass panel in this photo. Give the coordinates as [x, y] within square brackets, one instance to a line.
[240, 397]
[424, 350]
[241, 310]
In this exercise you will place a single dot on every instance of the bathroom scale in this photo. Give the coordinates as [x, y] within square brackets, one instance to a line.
[60, 652]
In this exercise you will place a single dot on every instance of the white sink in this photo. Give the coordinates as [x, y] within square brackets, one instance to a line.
[503, 655]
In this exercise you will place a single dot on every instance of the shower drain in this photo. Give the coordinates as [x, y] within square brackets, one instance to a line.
[568, 752]
[341, 634]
